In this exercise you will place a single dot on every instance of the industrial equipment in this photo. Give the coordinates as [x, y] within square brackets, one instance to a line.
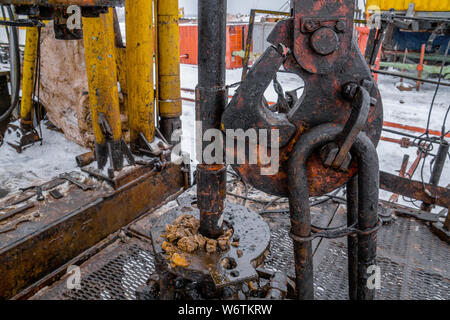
[340, 114]
[92, 209]
[340, 111]
[144, 231]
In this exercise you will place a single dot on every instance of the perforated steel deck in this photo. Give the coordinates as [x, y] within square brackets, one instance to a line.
[413, 262]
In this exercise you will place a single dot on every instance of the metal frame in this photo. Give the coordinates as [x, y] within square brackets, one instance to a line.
[249, 41]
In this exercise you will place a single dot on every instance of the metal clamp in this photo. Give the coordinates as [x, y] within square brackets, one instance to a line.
[337, 154]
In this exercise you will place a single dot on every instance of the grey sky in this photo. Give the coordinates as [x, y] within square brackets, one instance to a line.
[238, 6]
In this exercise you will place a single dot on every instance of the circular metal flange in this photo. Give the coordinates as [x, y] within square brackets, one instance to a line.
[249, 227]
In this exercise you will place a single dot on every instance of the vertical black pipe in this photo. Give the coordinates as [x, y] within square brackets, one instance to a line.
[352, 240]
[212, 21]
[368, 192]
[438, 167]
[301, 227]
[368, 182]
[211, 92]
[300, 207]
[211, 99]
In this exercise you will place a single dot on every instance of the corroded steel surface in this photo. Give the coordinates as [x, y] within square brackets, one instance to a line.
[415, 189]
[139, 64]
[413, 261]
[322, 100]
[55, 231]
[249, 228]
[211, 193]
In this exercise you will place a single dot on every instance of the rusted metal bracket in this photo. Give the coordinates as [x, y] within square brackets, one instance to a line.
[82, 186]
[248, 44]
[112, 150]
[415, 189]
[337, 154]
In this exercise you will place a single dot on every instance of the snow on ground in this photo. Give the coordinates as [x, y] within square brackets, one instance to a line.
[37, 163]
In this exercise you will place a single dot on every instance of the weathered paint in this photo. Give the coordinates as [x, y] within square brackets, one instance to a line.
[169, 59]
[67, 227]
[29, 68]
[102, 74]
[139, 53]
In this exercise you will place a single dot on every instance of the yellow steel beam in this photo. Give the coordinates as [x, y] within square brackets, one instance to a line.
[139, 52]
[402, 5]
[102, 74]
[29, 67]
[169, 59]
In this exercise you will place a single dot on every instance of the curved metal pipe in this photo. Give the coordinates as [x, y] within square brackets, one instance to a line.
[368, 182]
[14, 55]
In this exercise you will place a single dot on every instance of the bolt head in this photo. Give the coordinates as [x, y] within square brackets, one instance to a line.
[310, 25]
[349, 90]
[324, 41]
[346, 163]
[328, 154]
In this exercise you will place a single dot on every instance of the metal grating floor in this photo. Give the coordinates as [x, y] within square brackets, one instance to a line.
[413, 262]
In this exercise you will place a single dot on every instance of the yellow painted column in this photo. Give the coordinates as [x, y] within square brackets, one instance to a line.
[102, 75]
[169, 66]
[29, 68]
[109, 25]
[139, 53]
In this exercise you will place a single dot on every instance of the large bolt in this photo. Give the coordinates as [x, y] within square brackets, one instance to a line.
[349, 90]
[328, 155]
[324, 41]
[341, 25]
[310, 25]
